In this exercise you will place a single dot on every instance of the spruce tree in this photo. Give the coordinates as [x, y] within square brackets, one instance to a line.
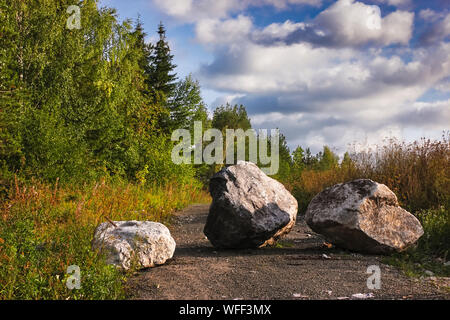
[285, 159]
[309, 158]
[162, 78]
[145, 59]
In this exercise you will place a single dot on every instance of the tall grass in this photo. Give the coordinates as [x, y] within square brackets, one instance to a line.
[418, 173]
[45, 228]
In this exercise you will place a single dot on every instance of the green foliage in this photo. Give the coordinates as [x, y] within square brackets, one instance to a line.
[161, 169]
[145, 60]
[186, 105]
[285, 160]
[79, 106]
[231, 117]
[141, 175]
[298, 159]
[436, 225]
[33, 268]
[82, 104]
[328, 160]
[73, 92]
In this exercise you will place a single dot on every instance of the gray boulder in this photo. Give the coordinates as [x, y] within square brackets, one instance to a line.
[144, 243]
[363, 215]
[249, 209]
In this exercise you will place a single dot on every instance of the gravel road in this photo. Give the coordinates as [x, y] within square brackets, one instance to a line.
[300, 266]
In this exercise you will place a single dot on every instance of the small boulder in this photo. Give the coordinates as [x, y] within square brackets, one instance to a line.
[363, 215]
[249, 209]
[145, 243]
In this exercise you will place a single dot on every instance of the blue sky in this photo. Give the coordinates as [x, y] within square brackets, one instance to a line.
[323, 71]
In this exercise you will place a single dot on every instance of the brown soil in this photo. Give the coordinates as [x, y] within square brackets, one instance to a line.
[295, 268]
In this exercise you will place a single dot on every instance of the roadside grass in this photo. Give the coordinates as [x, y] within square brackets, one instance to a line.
[46, 228]
[280, 244]
[415, 263]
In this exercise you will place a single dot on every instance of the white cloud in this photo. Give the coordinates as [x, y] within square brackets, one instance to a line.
[196, 10]
[353, 132]
[429, 15]
[439, 29]
[426, 114]
[332, 95]
[397, 28]
[277, 30]
[213, 31]
[316, 73]
[316, 130]
[344, 24]
[350, 23]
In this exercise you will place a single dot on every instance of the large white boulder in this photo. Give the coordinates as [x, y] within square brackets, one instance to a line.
[124, 243]
[363, 215]
[249, 209]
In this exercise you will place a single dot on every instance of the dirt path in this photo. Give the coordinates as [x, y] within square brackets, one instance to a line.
[295, 269]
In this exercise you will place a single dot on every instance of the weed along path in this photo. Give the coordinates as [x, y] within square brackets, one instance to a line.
[300, 266]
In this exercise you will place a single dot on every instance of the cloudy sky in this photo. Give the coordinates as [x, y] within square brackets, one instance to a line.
[324, 72]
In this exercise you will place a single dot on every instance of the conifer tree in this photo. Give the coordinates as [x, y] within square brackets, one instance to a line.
[146, 50]
[162, 78]
[310, 160]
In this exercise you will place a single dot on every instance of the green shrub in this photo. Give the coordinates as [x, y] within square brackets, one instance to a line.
[436, 225]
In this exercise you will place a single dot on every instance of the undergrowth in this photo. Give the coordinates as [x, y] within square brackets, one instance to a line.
[45, 228]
